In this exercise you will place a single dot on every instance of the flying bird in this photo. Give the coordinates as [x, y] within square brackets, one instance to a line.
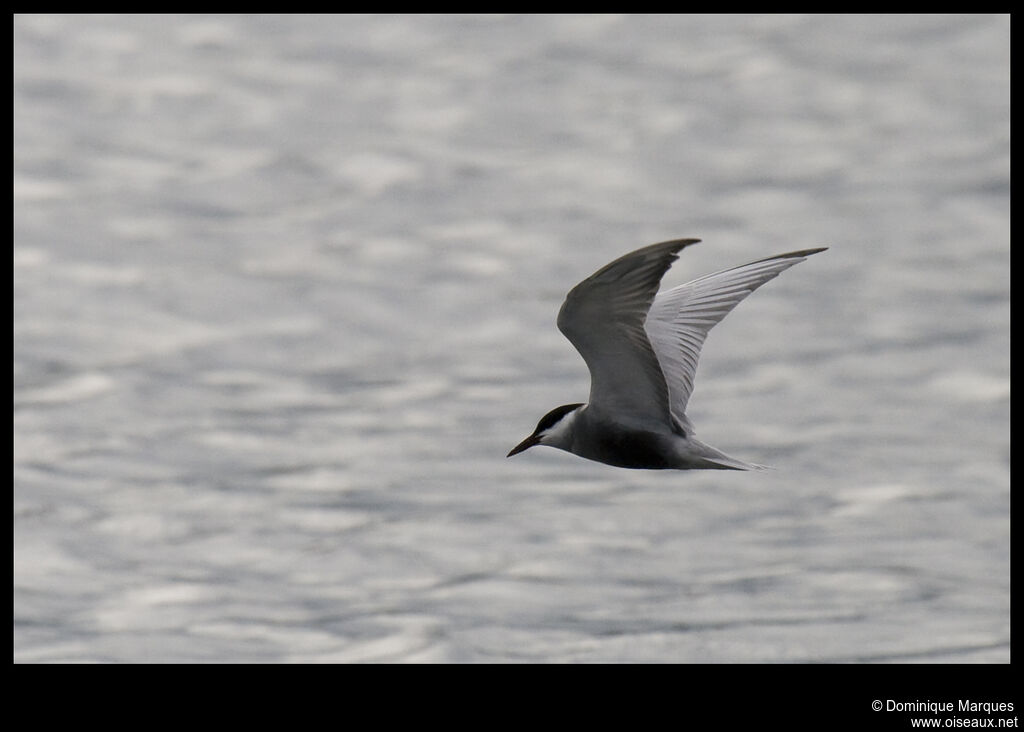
[642, 347]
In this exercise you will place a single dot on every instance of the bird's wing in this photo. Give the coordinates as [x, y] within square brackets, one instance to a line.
[603, 317]
[680, 318]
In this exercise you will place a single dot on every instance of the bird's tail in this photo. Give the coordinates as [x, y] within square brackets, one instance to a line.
[709, 458]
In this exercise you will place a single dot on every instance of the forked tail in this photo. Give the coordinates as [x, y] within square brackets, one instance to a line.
[707, 457]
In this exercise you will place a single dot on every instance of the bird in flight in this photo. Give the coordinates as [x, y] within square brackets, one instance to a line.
[642, 347]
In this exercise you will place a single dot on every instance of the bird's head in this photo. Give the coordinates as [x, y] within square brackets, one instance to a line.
[554, 429]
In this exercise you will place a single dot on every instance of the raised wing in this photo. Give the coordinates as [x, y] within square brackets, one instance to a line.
[679, 319]
[603, 317]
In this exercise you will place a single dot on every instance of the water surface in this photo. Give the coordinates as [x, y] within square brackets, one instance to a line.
[285, 292]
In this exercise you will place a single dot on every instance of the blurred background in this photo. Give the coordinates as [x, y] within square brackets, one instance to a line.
[285, 292]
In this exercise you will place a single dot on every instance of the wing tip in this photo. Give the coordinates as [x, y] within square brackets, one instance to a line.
[672, 243]
[672, 247]
[677, 245]
[800, 254]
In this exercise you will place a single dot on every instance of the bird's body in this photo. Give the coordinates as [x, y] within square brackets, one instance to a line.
[642, 348]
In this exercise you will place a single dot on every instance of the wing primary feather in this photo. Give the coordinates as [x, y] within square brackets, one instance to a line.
[679, 319]
[603, 317]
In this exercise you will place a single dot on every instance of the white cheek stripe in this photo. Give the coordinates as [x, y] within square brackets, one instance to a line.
[560, 428]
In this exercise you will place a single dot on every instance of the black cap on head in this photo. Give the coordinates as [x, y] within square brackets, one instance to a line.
[548, 421]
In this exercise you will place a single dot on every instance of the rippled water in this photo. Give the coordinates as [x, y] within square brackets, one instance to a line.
[285, 291]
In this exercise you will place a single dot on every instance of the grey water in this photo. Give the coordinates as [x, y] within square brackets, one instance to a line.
[285, 292]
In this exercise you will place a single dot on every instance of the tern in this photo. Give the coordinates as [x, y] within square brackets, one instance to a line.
[642, 347]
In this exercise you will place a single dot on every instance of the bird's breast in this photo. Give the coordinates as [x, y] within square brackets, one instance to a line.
[625, 447]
